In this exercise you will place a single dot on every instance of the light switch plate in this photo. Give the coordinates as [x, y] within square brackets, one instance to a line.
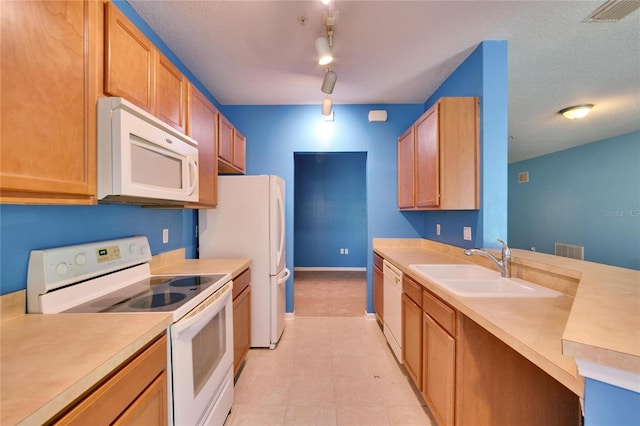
[438, 229]
[165, 236]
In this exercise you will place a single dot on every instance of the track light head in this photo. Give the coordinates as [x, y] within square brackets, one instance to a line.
[324, 51]
[329, 82]
[326, 105]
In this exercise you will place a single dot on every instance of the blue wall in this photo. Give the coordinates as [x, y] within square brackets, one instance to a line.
[588, 195]
[484, 75]
[607, 405]
[330, 212]
[275, 133]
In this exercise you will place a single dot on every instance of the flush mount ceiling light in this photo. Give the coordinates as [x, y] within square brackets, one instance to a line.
[323, 49]
[329, 81]
[576, 111]
[326, 105]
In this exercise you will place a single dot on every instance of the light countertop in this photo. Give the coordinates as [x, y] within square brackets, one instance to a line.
[597, 320]
[47, 361]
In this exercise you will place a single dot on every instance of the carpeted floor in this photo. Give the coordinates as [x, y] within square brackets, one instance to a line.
[329, 294]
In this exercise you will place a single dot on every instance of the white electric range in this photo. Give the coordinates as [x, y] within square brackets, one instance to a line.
[114, 277]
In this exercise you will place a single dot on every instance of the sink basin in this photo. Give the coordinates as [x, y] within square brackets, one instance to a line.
[455, 272]
[476, 281]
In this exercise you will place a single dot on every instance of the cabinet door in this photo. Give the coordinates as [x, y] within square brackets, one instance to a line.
[241, 328]
[439, 365]
[202, 126]
[427, 160]
[412, 339]
[150, 408]
[378, 295]
[170, 93]
[129, 61]
[48, 81]
[239, 150]
[225, 140]
[406, 169]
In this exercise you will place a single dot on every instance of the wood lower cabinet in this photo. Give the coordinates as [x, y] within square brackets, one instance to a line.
[135, 395]
[231, 148]
[202, 125]
[438, 158]
[498, 386]
[241, 319]
[49, 77]
[439, 370]
[378, 288]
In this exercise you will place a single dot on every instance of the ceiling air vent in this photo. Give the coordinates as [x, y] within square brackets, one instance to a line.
[613, 11]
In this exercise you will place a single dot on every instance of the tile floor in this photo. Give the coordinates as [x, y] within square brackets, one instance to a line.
[330, 293]
[326, 371]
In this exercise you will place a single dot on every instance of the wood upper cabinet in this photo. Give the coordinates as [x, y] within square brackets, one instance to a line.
[49, 77]
[170, 94]
[438, 158]
[231, 148]
[130, 61]
[202, 125]
[406, 166]
[137, 71]
[135, 395]
[241, 319]
[378, 288]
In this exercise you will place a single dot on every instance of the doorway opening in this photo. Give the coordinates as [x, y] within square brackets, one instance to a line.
[330, 233]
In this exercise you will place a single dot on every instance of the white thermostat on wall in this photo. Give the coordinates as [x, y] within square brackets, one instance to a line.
[378, 115]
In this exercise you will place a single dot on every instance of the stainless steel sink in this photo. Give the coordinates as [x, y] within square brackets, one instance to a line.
[476, 281]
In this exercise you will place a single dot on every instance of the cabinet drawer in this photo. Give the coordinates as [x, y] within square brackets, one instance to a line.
[412, 289]
[439, 311]
[377, 260]
[241, 282]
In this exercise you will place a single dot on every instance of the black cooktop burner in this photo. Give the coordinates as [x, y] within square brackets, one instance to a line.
[192, 281]
[157, 300]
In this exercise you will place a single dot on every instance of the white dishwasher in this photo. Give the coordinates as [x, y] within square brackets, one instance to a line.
[392, 303]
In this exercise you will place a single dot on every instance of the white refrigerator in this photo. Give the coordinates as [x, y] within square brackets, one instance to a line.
[249, 222]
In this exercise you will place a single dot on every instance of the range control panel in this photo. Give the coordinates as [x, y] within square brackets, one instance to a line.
[60, 266]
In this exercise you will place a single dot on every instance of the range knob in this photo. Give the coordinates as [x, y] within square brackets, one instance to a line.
[133, 248]
[80, 259]
[61, 268]
[144, 250]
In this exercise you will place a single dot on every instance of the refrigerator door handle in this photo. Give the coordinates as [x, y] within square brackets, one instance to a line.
[287, 274]
[281, 228]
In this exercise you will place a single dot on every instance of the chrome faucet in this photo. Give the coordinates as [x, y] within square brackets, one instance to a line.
[503, 264]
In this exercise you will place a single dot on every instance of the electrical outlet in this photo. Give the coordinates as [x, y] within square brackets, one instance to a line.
[346, 251]
[438, 229]
[467, 233]
[341, 251]
[165, 236]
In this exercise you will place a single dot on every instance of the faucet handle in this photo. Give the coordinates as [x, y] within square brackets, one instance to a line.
[506, 251]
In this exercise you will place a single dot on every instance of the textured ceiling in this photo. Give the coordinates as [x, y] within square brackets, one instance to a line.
[259, 53]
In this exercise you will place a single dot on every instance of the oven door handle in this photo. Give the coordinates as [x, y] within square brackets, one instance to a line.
[203, 313]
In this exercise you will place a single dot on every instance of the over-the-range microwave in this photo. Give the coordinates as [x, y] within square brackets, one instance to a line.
[142, 160]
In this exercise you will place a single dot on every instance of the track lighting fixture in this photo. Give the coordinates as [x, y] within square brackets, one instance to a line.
[326, 105]
[329, 81]
[323, 49]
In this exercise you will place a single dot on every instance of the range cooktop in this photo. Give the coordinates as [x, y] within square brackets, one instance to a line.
[153, 294]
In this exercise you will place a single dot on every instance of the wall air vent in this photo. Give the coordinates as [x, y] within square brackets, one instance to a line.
[613, 11]
[569, 250]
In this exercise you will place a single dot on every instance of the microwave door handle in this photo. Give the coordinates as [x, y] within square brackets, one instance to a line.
[193, 170]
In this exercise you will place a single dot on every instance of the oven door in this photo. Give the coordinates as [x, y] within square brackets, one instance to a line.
[201, 356]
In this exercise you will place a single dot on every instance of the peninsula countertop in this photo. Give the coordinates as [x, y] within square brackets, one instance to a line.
[598, 321]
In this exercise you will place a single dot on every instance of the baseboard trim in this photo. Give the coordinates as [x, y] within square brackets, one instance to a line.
[329, 269]
[288, 316]
[369, 317]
